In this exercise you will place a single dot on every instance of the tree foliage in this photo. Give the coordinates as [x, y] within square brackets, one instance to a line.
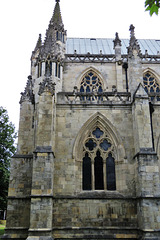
[7, 149]
[152, 6]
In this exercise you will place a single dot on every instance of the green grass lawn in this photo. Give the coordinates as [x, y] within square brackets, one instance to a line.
[2, 229]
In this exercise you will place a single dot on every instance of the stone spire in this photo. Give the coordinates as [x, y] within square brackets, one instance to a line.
[54, 33]
[56, 19]
[133, 43]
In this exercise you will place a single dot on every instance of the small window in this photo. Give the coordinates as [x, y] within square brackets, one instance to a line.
[151, 86]
[39, 73]
[98, 162]
[58, 70]
[91, 83]
[48, 68]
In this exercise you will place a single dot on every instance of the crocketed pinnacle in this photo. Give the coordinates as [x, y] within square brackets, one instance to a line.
[39, 43]
[56, 19]
[133, 43]
[117, 41]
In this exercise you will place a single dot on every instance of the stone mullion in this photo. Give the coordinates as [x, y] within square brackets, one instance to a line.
[104, 174]
[93, 175]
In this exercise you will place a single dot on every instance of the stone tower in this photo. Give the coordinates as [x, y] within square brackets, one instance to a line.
[87, 164]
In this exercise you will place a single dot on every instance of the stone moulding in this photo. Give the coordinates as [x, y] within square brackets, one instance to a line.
[85, 58]
[43, 149]
[94, 98]
[47, 86]
[99, 120]
[22, 156]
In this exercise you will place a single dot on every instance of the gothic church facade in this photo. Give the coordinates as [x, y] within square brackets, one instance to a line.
[87, 164]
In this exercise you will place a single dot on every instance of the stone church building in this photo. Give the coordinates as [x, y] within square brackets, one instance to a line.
[88, 158]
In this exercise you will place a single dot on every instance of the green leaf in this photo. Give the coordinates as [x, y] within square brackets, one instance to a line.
[154, 9]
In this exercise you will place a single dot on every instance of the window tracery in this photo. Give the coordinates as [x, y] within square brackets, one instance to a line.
[91, 83]
[151, 85]
[98, 162]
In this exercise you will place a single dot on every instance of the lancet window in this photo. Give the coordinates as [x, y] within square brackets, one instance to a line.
[39, 72]
[60, 36]
[91, 83]
[58, 70]
[48, 68]
[151, 85]
[98, 162]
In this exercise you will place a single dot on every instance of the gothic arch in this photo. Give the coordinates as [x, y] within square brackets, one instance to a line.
[98, 120]
[150, 70]
[96, 72]
[151, 83]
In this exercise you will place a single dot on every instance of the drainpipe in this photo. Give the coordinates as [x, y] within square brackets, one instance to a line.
[125, 66]
[151, 108]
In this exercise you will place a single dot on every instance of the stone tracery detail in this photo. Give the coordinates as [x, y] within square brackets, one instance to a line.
[91, 83]
[151, 85]
[98, 162]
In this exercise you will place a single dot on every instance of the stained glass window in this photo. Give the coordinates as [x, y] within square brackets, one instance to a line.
[98, 162]
[86, 172]
[151, 85]
[91, 83]
[110, 169]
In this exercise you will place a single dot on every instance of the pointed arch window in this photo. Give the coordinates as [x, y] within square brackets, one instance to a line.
[91, 83]
[48, 68]
[39, 71]
[98, 162]
[151, 85]
[57, 70]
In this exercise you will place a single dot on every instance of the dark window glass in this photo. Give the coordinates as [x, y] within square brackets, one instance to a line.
[110, 170]
[90, 74]
[50, 68]
[40, 69]
[57, 35]
[97, 133]
[56, 70]
[82, 89]
[87, 184]
[105, 145]
[59, 71]
[90, 144]
[88, 89]
[100, 89]
[98, 172]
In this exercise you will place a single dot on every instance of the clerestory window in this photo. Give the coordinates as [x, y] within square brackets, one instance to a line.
[91, 83]
[151, 85]
[98, 162]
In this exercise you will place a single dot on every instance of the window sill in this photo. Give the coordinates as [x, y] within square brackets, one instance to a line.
[99, 194]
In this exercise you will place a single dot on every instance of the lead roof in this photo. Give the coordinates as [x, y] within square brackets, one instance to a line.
[106, 46]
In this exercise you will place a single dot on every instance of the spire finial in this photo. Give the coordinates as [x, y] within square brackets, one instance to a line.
[131, 29]
[117, 41]
[133, 43]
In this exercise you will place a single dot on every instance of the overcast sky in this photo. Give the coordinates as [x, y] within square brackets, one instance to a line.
[21, 21]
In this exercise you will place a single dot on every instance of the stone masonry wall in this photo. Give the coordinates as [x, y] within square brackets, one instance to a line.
[68, 172]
